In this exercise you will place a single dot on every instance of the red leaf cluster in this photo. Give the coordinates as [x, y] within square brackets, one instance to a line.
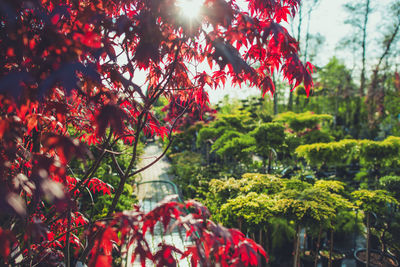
[212, 243]
[97, 185]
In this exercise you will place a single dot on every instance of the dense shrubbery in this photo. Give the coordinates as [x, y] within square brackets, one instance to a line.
[272, 209]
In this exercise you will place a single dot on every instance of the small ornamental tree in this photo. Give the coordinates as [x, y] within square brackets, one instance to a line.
[73, 64]
[375, 156]
[226, 140]
[269, 137]
[302, 128]
[373, 202]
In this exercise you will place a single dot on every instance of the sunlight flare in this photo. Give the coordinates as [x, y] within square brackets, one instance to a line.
[190, 8]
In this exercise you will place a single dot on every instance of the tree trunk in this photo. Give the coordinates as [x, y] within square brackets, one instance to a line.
[290, 102]
[275, 96]
[264, 166]
[308, 33]
[300, 14]
[337, 105]
[275, 103]
[363, 47]
[357, 118]
[269, 163]
[260, 242]
[318, 245]
[376, 92]
[266, 239]
[296, 262]
[330, 249]
[368, 239]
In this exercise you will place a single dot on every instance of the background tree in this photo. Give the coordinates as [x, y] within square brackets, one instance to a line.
[372, 202]
[335, 84]
[359, 14]
[376, 89]
[306, 9]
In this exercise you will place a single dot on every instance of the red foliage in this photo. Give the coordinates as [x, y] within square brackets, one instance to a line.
[68, 77]
[97, 185]
[183, 113]
[7, 240]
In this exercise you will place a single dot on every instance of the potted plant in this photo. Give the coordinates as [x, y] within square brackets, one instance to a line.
[336, 258]
[373, 202]
[307, 258]
[313, 207]
[376, 258]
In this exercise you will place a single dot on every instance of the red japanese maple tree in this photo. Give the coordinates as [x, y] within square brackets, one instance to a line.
[68, 81]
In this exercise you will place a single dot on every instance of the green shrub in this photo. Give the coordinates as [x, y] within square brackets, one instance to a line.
[333, 154]
[391, 184]
[185, 168]
[252, 209]
[206, 133]
[301, 121]
[374, 154]
[317, 137]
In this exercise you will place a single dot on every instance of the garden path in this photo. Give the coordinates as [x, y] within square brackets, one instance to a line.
[154, 184]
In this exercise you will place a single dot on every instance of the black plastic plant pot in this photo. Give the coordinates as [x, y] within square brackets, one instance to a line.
[307, 259]
[305, 262]
[377, 259]
[336, 259]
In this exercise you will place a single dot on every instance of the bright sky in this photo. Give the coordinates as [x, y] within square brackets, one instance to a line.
[328, 19]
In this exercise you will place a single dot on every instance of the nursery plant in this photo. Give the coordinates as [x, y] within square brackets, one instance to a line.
[375, 202]
[268, 137]
[311, 206]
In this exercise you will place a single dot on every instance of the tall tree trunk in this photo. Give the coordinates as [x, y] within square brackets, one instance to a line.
[300, 14]
[275, 103]
[337, 104]
[296, 262]
[266, 239]
[261, 242]
[376, 91]
[318, 245]
[330, 249]
[269, 163]
[357, 117]
[368, 239]
[363, 47]
[275, 96]
[307, 42]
